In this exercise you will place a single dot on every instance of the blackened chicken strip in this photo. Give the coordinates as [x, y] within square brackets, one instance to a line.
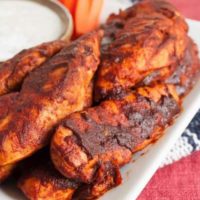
[112, 131]
[7, 170]
[12, 74]
[116, 22]
[43, 182]
[147, 41]
[14, 70]
[48, 94]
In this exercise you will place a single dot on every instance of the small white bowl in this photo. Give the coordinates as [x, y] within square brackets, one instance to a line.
[64, 14]
[27, 23]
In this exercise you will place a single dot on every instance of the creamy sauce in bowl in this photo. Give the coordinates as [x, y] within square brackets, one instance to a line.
[26, 23]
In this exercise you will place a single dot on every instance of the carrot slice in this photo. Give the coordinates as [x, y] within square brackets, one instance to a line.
[70, 4]
[95, 12]
[81, 15]
[87, 15]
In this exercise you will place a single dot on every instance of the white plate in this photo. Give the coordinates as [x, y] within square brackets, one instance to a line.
[137, 174]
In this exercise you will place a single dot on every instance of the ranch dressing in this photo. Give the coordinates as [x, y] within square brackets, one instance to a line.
[24, 24]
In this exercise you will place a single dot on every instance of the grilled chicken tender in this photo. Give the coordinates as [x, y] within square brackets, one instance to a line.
[49, 94]
[112, 131]
[12, 74]
[116, 22]
[6, 171]
[151, 35]
[44, 182]
[13, 71]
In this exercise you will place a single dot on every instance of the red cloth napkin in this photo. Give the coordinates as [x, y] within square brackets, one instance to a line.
[179, 181]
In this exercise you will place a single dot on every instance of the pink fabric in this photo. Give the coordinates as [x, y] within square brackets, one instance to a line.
[190, 8]
[179, 181]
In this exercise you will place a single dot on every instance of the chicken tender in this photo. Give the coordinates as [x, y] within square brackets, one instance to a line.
[13, 71]
[151, 35]
[44, 182]
[48, 94]
[112, 131]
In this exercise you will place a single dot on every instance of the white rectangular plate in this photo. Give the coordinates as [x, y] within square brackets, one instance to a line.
[137, 174]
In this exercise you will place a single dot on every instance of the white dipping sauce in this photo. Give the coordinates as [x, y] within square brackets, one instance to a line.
[24, 24]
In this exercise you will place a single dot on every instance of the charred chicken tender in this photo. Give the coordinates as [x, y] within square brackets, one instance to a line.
[146, 42]
[48, 94]
[14, 70]
[44, 182]
[116, 22]
[6, 171]
[112, 131]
